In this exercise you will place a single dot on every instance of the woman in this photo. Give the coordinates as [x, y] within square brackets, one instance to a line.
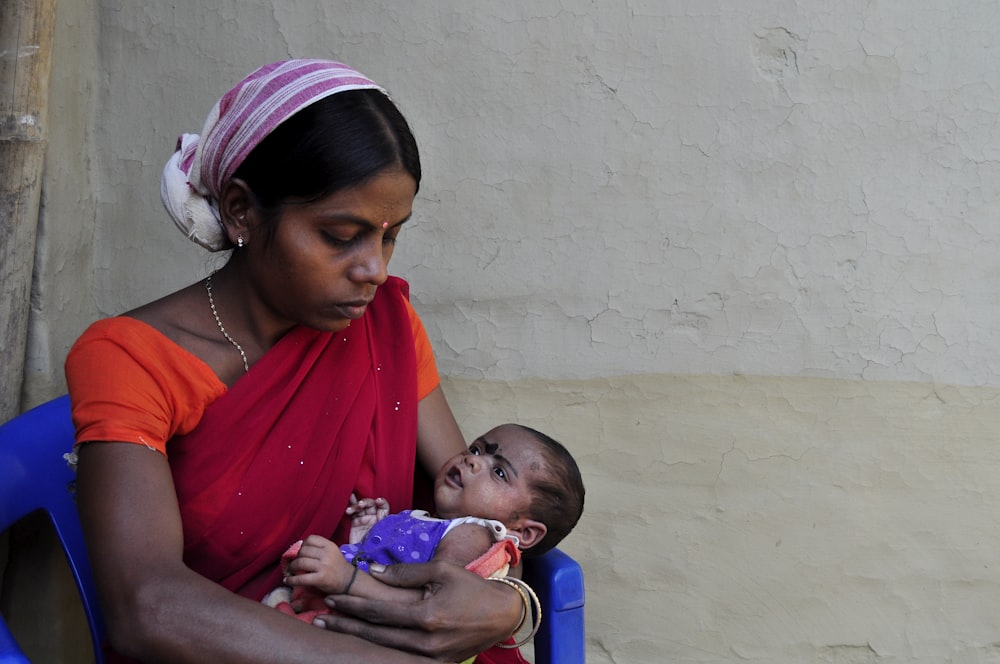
[227, 419]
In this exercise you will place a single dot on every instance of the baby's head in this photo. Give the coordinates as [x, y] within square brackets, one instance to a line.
[517, 476]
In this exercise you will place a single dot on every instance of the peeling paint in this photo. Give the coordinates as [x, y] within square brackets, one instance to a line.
[776, 53]
[25, 51]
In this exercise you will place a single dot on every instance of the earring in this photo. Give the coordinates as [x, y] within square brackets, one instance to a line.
[239, 241]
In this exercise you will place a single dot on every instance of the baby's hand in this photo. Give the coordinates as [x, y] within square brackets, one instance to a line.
[321, 565]
[365, 513]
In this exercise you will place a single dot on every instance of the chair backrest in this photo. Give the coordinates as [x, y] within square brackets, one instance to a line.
[557, 579]
[34, 476]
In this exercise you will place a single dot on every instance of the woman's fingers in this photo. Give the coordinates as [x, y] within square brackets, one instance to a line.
[460, 614]
[415, 575]
[400, 638]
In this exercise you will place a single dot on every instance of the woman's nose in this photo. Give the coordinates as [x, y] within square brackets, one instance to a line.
[372, 266]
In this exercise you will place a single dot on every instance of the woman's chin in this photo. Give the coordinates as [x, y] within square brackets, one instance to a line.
[327, 325]
[338, 325]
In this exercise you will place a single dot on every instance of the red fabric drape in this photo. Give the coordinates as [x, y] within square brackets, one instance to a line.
[501, 656]
[276, 457]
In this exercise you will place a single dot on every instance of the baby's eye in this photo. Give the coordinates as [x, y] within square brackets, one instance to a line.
[474, 449]
[500, 472]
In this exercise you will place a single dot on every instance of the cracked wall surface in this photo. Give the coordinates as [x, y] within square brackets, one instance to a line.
[741, 255]
[767, 519]
[791, 188]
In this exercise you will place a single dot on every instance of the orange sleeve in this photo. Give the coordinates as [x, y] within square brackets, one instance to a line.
[129, 383]
[427, 373]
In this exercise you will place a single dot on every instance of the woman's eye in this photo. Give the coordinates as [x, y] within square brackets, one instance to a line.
[388, 241]
[338, 241]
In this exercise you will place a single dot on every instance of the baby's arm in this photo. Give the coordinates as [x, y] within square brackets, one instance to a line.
[463, 544]
[365, 513]
[460, 546]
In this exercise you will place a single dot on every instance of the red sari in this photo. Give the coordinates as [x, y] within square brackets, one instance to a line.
[320, 416]
[275, 457]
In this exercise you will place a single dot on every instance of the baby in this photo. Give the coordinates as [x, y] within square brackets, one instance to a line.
[514, 486]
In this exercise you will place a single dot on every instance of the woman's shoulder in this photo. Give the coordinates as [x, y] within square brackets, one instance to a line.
[175, 316]
[129, 382]
[131, 333]
[154, 338]
[126, 331]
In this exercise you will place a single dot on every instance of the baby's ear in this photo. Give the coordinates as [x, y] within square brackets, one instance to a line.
[529, 532]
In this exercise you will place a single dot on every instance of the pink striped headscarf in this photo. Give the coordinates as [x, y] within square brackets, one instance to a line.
[194, 176]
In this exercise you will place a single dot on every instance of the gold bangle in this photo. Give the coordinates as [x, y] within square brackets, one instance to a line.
[537, 606]
[524, 600]
[524, 590]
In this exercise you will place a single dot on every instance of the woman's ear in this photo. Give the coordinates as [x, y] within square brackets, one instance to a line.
[235, 203]
[529, 532]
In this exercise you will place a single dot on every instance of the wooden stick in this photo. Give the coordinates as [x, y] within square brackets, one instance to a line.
[26, 31]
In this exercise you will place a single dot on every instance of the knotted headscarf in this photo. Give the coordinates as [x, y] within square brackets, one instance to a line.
[193, 177]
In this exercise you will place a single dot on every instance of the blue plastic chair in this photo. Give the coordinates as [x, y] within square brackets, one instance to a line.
[557, 579]
[34, 476]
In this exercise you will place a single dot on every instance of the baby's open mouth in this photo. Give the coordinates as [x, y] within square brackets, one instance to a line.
[455, 477]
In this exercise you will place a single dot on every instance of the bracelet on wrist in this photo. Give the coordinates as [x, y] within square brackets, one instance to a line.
[525, 591]
[347, 588]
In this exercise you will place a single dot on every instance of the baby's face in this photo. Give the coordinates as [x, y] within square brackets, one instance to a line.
[493, 479]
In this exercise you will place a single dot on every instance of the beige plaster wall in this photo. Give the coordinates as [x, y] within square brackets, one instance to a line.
[775, 519]
[740, 255]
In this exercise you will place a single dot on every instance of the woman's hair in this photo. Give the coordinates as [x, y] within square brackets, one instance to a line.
[338, 142]
[557, 498]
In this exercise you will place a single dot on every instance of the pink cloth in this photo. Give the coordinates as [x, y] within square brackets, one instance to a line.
[194, 176]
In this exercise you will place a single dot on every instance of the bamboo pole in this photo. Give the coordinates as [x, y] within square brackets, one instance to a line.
[38, 595]
[26, 31]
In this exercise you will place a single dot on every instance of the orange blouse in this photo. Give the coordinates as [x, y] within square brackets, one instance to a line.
[132, 384]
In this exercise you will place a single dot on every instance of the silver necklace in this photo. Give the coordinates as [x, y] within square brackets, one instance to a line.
[211, 303]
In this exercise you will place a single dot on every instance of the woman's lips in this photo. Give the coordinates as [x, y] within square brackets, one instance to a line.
[353, 311]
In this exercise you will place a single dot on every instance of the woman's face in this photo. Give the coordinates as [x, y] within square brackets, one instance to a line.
[325, 259]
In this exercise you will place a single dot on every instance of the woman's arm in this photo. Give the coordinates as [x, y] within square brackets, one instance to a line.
[438, 435]
[155, 607]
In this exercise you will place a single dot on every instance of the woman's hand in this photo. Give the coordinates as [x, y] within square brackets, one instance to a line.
[460, 614]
